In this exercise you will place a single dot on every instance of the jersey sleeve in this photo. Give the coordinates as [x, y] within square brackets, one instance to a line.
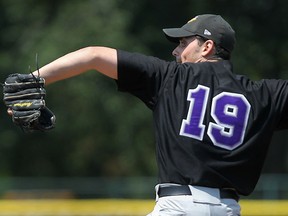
[142, 76]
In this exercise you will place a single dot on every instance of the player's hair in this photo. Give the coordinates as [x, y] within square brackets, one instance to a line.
[219, 51]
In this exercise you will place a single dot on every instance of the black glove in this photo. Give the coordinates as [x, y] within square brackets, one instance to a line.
[24, 95]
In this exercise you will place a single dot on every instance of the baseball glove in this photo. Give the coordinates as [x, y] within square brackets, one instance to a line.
[24, 96]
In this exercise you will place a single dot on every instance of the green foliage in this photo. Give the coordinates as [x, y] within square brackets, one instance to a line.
[96, 132]
[99, 131]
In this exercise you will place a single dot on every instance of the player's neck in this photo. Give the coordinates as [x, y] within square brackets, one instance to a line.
[209, 59]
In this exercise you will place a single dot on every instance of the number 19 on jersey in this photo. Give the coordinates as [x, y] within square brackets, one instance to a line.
[230, 112]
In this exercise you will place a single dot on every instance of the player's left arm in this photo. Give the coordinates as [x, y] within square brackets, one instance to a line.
[101, 59]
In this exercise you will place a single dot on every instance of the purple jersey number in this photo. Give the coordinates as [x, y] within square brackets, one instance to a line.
[230, 112]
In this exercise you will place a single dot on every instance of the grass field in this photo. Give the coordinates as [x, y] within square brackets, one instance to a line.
[117, 207]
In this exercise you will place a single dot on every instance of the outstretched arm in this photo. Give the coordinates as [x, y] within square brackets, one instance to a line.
[102, 59]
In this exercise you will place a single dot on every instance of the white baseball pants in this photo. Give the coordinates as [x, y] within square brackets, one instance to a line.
[203, 202]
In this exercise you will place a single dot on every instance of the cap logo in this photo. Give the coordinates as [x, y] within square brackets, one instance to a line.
[193, 19]
[206, 32]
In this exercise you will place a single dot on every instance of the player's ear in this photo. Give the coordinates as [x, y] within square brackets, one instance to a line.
[208, 48]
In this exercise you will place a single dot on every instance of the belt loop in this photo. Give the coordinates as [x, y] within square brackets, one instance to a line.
[156, 190]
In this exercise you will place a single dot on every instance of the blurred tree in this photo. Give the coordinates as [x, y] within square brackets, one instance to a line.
[104, 142]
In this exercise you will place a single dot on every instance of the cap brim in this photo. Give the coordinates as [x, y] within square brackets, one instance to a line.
[173, 34]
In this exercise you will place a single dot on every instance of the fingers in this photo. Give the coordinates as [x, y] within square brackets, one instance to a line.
[10, 112]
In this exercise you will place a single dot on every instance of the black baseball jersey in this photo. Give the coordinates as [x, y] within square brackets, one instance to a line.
[212, 127]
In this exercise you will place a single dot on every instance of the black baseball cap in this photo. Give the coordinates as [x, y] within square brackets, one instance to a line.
[209, 26]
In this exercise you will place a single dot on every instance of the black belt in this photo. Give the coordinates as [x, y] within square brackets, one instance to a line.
[176, 190]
